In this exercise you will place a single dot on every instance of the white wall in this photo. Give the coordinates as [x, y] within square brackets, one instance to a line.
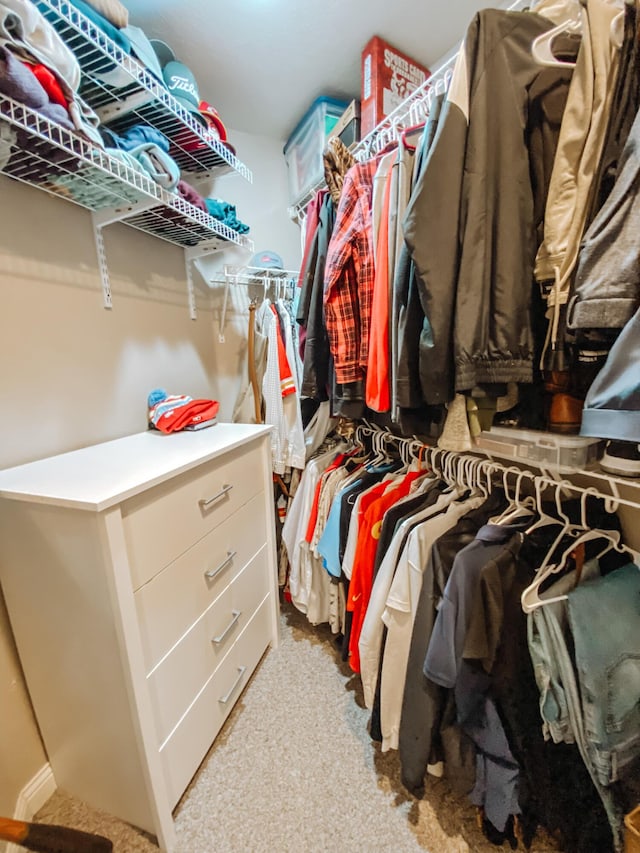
[73, 373]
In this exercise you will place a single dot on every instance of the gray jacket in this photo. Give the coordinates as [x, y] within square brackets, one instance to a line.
[607, 287]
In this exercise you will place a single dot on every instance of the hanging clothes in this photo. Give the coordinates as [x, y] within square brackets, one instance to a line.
[474, 248]
[280, 392]
[349, 276]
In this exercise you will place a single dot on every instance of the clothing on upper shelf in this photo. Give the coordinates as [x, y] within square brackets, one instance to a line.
[28, 35]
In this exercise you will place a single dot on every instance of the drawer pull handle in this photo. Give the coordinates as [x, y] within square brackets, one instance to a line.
[225, 699]
[236, 615]
[210, 575]
[205, 503]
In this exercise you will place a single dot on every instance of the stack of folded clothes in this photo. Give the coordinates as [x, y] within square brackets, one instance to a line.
[225, 213]
[27, 39]
[174, 412]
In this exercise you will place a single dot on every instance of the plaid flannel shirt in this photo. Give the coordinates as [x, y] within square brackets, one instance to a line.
[349, 275]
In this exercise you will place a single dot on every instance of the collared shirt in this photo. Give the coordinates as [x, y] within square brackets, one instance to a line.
[400, 611]
[349, 275]
[423, 703]
[442, 661]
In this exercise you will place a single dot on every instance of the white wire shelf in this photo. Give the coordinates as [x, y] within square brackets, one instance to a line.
[62, 163]
[139, 97]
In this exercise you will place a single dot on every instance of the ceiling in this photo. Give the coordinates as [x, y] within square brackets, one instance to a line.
[261, 63]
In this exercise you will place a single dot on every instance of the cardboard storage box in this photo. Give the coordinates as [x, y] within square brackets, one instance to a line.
[388, 77]
[348, 126]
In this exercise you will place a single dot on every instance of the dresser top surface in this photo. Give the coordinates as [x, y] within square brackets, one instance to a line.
[102, 475]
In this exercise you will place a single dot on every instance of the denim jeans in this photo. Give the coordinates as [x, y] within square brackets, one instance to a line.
[603, 616]
[556, 724]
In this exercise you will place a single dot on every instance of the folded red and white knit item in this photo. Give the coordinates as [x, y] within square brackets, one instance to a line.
[176, 412]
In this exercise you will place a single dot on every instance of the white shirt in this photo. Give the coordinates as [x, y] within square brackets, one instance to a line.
[295, 528]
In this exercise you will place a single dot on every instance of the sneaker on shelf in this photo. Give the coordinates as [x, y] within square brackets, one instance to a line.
[621, 458]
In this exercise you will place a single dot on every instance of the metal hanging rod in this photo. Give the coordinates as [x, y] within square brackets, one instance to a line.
[473, 464]
[284, 281]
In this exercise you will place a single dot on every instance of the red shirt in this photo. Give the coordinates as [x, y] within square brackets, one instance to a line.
[361, 582]
[378, 393]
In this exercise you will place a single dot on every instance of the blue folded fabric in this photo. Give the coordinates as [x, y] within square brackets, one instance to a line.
[158, 164]
[141, 134]
[225, 213]
[102, 23]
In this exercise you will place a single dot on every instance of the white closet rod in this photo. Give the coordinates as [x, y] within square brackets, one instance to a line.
[470, 465]
[284, 281]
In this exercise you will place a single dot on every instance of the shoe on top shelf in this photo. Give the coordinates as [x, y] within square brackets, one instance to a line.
[621, 458]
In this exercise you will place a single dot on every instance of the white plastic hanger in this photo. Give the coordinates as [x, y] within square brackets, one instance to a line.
[544, 519]
[542, 46]
[531, 598]
[523, 508]
[512, 502]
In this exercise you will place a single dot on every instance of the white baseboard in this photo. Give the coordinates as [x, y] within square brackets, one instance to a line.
[32, 797]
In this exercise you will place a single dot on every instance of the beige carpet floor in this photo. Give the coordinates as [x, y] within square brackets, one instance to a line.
[294, 769]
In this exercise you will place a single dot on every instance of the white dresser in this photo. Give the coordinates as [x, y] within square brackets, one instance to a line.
[141, 582]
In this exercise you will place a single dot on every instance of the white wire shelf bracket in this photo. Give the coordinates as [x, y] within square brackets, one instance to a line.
[135, 96]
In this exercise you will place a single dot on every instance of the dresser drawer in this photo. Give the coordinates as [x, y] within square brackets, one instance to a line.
[185, 749]
[171, 602]
[177, 680]
[167, 520]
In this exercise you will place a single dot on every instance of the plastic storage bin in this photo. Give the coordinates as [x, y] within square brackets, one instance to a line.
[542, 448]
[632, 831]
[303, 150]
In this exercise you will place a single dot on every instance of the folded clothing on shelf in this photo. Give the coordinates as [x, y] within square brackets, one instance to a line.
[94, 11]
[191, 195]
[112, 10]
[225, 213]
[18, 82]
[27, 33]
[174, 412]
[137, 134]
[148, 148]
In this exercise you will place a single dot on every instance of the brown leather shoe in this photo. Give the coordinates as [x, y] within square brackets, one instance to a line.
[565, 414]
[556, 381]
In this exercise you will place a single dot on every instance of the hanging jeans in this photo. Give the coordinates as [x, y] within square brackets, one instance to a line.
[603, 617]
[554, 710]
[605, 621]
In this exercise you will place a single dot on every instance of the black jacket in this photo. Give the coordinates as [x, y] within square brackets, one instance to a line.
[316, 370]
[471, 222]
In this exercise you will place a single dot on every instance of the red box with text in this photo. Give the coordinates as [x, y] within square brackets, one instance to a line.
[388, 77]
